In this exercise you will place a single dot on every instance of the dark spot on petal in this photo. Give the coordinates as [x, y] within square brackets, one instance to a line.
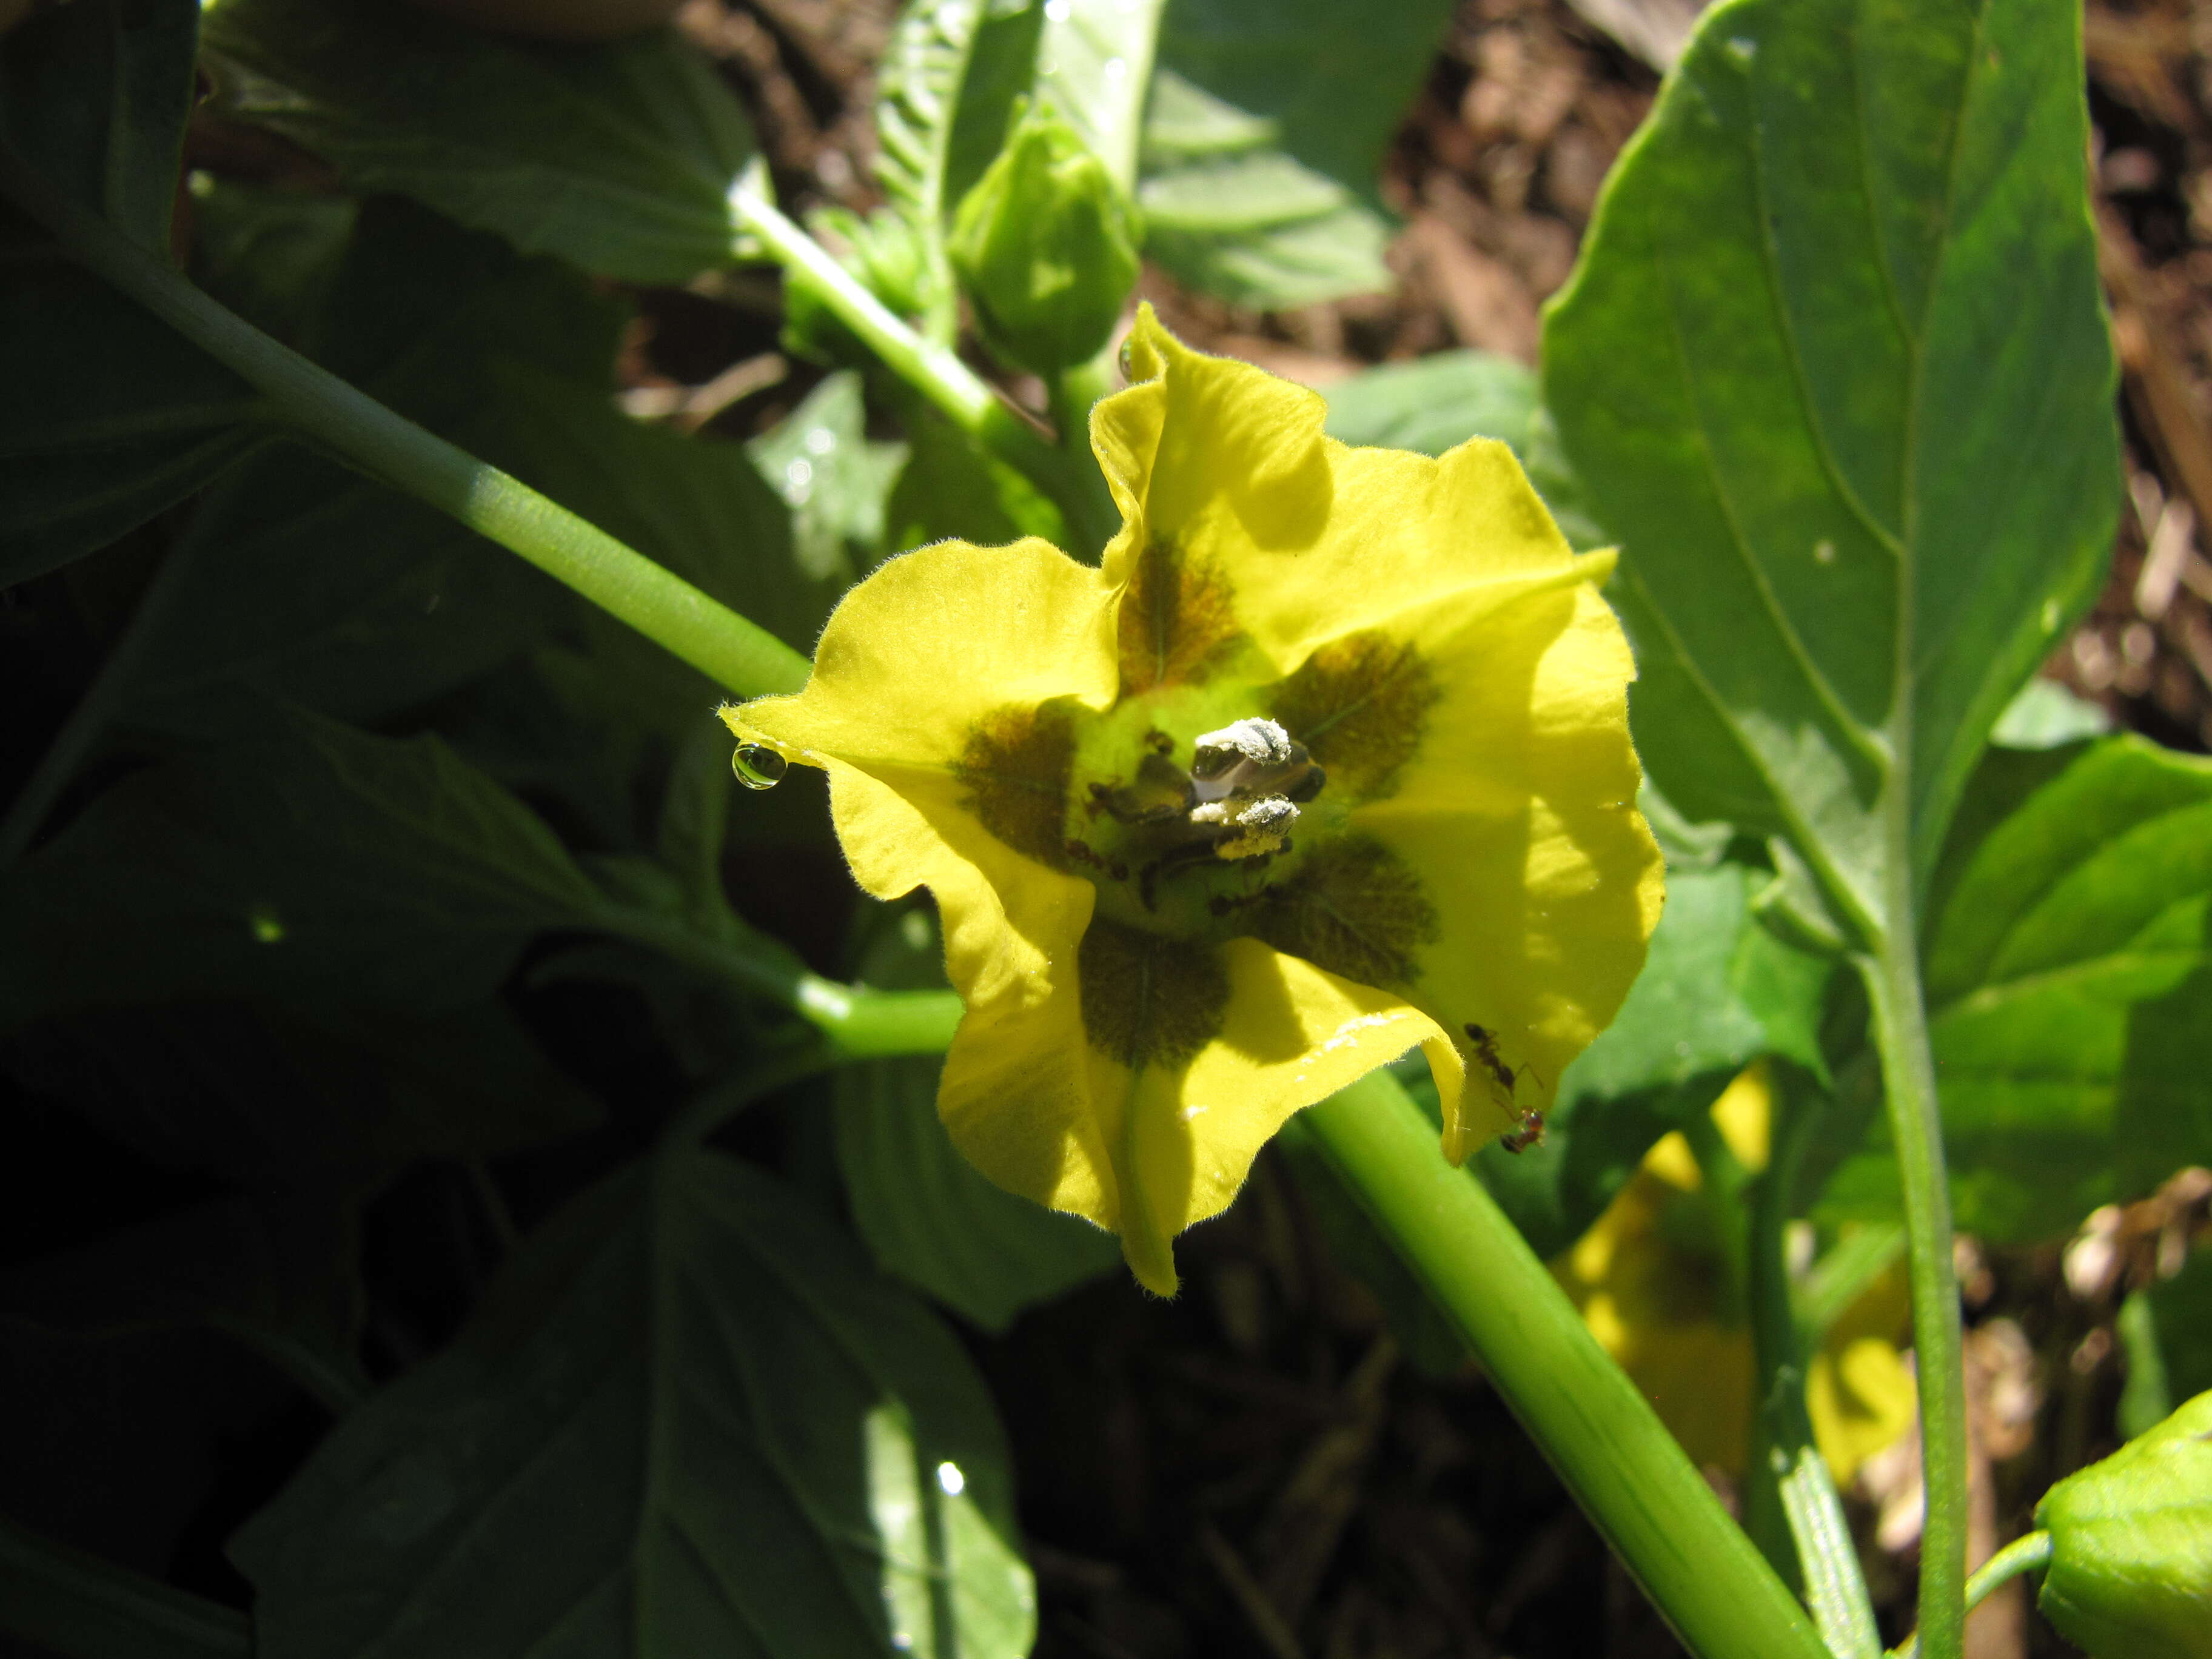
[1016, 764]
[1148, 999]
[1352, 908]
[1359, 704]
[1177, 619]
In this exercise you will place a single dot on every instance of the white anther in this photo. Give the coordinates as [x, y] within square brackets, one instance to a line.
[1268, 813]
[1260, 741]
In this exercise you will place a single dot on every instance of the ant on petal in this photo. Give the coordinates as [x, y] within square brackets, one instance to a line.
[1504, 1077]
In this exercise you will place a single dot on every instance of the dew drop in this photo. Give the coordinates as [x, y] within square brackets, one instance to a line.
[1824, 552]
[950, 1481]
[759, 766]
[1116, 69]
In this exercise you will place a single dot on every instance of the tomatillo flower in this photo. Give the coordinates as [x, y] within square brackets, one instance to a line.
[1330, 758]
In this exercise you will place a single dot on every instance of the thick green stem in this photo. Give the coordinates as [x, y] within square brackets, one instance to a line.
[1066, 474]
[1908, 1070]
[722, 644]
[1600, 1432]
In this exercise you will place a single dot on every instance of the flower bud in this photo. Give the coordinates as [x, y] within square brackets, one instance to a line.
[2131, 1572]
[1046, 247]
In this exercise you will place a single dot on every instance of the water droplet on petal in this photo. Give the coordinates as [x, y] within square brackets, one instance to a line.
[759, 766]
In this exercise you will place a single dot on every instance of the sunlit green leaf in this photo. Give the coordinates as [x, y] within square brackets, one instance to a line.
[1435, 403]
[833, 478]
[2069, 978]
[619, 158]
[1834, 371]
[1264, 138]
[689, 1420]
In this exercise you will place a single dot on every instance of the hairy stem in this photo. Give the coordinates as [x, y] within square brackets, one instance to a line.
[2028, 1554]
[1595, 1426]
[733, 651]
[1908, 1070]
[1065, 474]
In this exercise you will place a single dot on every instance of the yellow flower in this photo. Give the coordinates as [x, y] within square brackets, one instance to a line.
[1329, 759]
[1653, 1289]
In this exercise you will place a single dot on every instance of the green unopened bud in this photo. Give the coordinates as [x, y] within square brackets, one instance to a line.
[2131, 1572]
[1046, 246]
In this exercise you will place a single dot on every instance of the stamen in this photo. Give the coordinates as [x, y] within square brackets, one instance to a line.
[1260, 741]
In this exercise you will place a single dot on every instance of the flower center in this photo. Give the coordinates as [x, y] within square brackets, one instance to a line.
[1181, 848]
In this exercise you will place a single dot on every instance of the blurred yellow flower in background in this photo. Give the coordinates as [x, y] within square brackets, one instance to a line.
[1654, 1287]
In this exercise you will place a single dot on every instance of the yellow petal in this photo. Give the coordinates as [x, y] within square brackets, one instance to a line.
[934, 641]
[1518, 813]
[1228, 466]
[1147, 1151]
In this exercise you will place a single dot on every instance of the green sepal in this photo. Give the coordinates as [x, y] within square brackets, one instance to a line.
[2130, 1573]
[1045, 246]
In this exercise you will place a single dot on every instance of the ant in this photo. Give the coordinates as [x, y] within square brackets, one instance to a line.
[1505, 1077]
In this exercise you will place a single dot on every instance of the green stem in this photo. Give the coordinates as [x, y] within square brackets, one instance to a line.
[71, 1602]
[859, 1023]
[1600, 1432]
[1908, 1070]
[734, 653]
[1074, 393]
[2028, 1554]
[1068, 475]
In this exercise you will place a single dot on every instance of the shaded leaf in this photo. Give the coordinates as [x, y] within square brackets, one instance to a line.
[111, 416]
[321, 865]
[2166, 1330]
[687, 1419]
[1834, 369]
[925, 1213]
[619, 158]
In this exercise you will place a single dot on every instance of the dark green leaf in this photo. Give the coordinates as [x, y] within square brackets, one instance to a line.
[322, 865]
[1834, 369]
[1435, 403]
[1264, 137]
[110, 417]
[926, 1214]
[2070, 979]
[270, 255]
[688, 1420]
[1717, 992]
[70, 1602]
[618, 158]
[216, 1087]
